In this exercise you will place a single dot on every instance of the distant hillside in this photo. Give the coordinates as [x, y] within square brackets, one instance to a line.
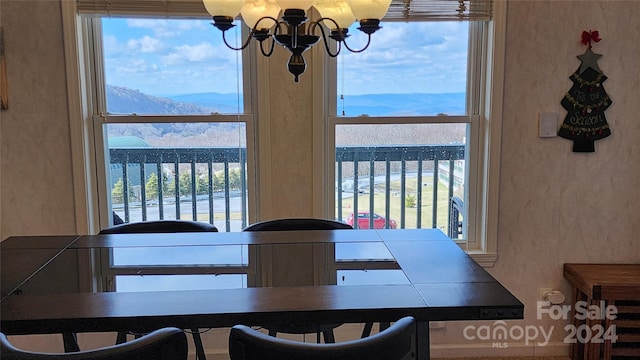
[122, 100]
[214, 102]
[403, 104]
[355, 105]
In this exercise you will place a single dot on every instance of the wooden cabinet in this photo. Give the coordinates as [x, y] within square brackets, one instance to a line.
[606, 310]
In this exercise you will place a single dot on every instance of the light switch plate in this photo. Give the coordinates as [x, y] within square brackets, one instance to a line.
[547, 124]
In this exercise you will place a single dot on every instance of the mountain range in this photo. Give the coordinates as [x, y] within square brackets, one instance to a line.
[122, 100]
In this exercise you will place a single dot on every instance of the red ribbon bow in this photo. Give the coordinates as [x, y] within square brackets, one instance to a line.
[589, 36]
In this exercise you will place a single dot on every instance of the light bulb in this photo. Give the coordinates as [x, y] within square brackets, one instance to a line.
[229, 8]
[254, 10]
[296, 4]
[337, 10]
[369, 9]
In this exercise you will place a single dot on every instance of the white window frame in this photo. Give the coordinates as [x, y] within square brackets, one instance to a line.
[86, 109]
[484, 171]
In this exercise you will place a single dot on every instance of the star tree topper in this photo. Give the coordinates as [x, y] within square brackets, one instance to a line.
[589, 59]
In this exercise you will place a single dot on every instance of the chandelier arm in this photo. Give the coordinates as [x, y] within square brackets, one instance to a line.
[278, 28]
[246, 43]
[275, 21]
[327, 47]
[361, 50]
[315, 24]
[267, 53]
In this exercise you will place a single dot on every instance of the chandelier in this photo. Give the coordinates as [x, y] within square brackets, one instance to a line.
[292, 31]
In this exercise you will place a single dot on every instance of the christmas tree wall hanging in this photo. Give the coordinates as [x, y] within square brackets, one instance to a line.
[586, 101]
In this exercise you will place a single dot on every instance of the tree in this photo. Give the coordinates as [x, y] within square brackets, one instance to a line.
[235, 180]
[218, 180]
[151, 187]
[185, 183]
[117, 192]
[202, 184]
[410, 200]
[168, 187]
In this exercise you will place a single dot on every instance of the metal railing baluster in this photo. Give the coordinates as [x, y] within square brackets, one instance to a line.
[383, 162]
[194, 191]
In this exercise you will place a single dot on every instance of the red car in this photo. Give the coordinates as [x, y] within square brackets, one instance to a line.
[379, 222]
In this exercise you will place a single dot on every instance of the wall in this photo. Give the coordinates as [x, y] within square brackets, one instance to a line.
[37, 186]
[555, 206]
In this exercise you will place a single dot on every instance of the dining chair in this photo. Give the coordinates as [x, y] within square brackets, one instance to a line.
[159, 226]
[297, 224]
[291, 224]
[397, 342]
[456, 209]
[163, 344]
[163, 226]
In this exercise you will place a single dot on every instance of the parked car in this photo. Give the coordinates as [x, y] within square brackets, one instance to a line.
[379, 222]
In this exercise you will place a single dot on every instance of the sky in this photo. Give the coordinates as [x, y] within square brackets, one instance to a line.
[163, 57]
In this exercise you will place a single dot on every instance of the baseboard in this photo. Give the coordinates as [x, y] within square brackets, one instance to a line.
[551, 351]
[558, 351]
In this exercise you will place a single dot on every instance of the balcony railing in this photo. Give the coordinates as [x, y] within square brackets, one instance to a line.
[413, 184]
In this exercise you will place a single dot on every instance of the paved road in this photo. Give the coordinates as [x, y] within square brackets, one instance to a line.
[202, 208]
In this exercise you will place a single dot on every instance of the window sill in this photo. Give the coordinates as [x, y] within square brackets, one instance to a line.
[486, 260]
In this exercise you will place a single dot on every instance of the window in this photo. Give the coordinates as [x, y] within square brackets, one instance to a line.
[404, 125]
[409, 123]
[406, 171]
[170, 120]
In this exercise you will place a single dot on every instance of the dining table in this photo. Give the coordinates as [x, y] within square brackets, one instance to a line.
[141, 282]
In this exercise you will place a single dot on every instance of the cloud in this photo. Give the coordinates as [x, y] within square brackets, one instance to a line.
[167, 28]
[111, 45]
[217, 55]
[196, 53]
[409, 57]
[189, 53]
[133, 66]
[402, 57]
[145, 44]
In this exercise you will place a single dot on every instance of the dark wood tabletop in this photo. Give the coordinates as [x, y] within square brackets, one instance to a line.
[22, 257]
[442, 283]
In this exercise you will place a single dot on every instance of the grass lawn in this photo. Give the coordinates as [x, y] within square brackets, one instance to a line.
[396, 204]
[411, 212]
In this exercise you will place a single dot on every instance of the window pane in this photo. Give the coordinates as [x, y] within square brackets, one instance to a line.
[410, 69]
[399, 175]
[164, 66]
[202, 167]
[186, 169]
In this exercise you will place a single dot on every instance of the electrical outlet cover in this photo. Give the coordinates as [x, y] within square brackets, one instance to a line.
[548, 124]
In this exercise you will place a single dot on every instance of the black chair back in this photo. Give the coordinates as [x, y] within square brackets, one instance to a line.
[395, 343]
[159, 226]
[297, 224]
[162, 344]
